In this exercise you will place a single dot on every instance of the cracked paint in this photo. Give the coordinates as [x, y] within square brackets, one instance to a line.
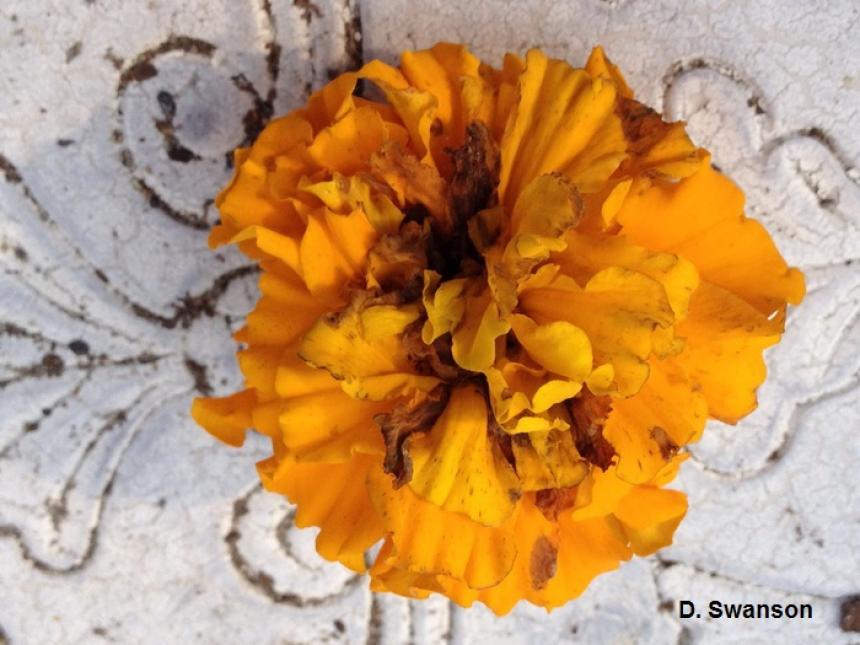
[121, 521]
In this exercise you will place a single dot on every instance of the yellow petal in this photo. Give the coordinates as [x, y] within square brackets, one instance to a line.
[618, 309]
[456, 465]
[601, 379]
[560, 347]
[474, 339]
[444, 304]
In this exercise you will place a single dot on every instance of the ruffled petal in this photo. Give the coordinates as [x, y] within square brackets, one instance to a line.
[429, 540]
[558, 113]
[701, 218]
[332, 497]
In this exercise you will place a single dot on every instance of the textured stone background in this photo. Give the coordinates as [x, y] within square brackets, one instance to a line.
[120, 521]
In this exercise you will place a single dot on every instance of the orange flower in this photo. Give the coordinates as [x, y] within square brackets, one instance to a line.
[496, 303]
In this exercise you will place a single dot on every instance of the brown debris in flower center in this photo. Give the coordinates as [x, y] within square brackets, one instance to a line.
[543, 562]
[401, 422]
[477, 164]
[430, 359]
[397, 262]
[589, 413]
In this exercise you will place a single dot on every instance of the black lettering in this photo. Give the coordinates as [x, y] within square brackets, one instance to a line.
[776, 611]
[791, 611]
[806, 610]
[715, 609]
[686, 609]
[732, 611]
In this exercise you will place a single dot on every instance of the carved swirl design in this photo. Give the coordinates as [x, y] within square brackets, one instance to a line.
[97, 367]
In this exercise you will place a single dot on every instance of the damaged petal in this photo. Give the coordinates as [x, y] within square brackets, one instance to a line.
[404, 420]
[397, 262]
[413, 182]
[543, 562]
[668, 448]
[589, 413]
[551, 501]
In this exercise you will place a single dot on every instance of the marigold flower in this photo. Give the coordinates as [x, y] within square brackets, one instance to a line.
[495, 305]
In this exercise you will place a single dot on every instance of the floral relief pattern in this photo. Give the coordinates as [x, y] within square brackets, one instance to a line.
[114, 315]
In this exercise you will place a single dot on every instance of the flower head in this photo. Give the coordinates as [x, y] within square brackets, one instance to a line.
[496, 303]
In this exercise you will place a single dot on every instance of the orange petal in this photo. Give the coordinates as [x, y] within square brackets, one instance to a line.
[724, 340]
[701, 218]
[429, 540]
[347, 145]
[334, 498]
[559, 111]
[649, 517]
[647, 428]
[225, 418]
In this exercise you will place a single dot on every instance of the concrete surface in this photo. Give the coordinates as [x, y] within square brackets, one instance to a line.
[120, 521]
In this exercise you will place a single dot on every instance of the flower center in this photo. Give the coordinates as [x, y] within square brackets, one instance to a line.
[451, 243]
